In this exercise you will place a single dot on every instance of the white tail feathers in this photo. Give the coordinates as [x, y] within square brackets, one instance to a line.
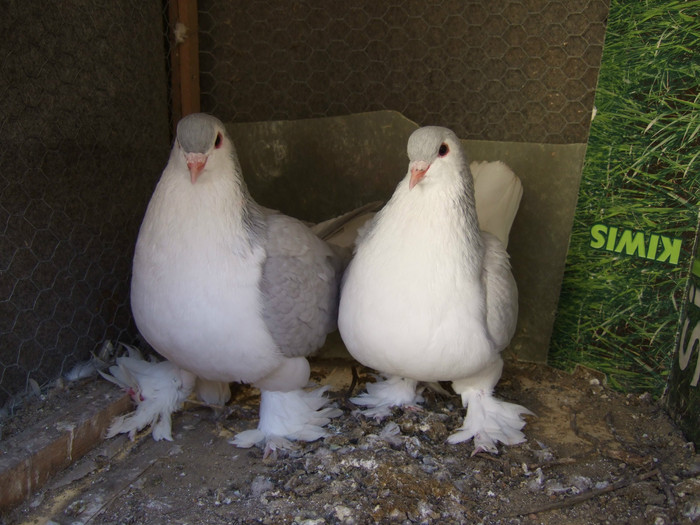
[342, 230]
[497, 191]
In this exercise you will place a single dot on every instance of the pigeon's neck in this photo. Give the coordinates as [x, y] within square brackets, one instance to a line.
[450, 207]
[460, 214]
[220, 197]
[433, 226]
[216, 211]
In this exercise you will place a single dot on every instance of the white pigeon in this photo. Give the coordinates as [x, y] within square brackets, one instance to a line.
[232, 292]
[430, 297]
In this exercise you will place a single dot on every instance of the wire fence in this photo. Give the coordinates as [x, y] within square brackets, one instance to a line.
[83, 136]
[85, 122]
[507, 70]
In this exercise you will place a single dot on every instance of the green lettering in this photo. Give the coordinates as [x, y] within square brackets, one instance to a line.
[631, 242]
[653, 245]
[672, 250]
[598, 235]
[650, 246]
[612, 236]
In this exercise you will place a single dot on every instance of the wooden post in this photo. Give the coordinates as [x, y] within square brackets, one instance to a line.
[184, 58]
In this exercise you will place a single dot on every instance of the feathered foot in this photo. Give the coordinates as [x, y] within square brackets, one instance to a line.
[157, 388]
[384, 394]
[288, 416]
[489, 421]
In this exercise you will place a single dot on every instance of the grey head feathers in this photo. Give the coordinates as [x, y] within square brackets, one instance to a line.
[424, 143]
[433, 143]
[202, 133]
[198, 132]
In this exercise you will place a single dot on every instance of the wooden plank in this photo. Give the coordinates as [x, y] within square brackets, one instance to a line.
[184, 58]
[30, 458]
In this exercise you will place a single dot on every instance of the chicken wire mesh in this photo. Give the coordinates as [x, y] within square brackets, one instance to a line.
[507, 70]
[85, 128]
[84, 134]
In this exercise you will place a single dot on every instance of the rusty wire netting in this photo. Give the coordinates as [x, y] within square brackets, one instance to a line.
[84, 129]
[507, 70]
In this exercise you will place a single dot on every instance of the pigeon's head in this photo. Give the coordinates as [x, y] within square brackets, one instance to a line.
[434, 152]
[204, 143]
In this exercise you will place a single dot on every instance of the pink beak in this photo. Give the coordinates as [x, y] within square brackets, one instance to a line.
[195, 163]
[418, 169]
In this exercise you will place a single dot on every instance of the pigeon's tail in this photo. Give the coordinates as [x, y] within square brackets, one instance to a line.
[297, 415]
[489, 421]
[157, 388]
[497, 191]
[342, 231]
[384, 394]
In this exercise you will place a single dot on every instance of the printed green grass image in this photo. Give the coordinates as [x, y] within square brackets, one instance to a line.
[637, 215]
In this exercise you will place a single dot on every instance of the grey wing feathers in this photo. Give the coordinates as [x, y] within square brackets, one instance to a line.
[299, 287]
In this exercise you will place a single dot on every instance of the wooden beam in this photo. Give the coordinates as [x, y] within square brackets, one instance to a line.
[30, 458]
[184, 58]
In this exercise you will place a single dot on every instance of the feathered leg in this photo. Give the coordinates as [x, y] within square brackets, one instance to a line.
[488, 420]
[384, 394]
[158, 388]
[212, 393]
[287, 412]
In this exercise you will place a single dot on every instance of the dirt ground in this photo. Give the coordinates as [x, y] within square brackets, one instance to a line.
[592, 456]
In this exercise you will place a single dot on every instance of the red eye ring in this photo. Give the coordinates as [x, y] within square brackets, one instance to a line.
[444, 150]
[218, 141]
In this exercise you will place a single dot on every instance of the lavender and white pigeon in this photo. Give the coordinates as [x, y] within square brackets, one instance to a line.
[430, 297]
[232, 292]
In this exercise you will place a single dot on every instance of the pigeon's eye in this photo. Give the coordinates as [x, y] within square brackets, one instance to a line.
[444, 150]
[217, 142]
